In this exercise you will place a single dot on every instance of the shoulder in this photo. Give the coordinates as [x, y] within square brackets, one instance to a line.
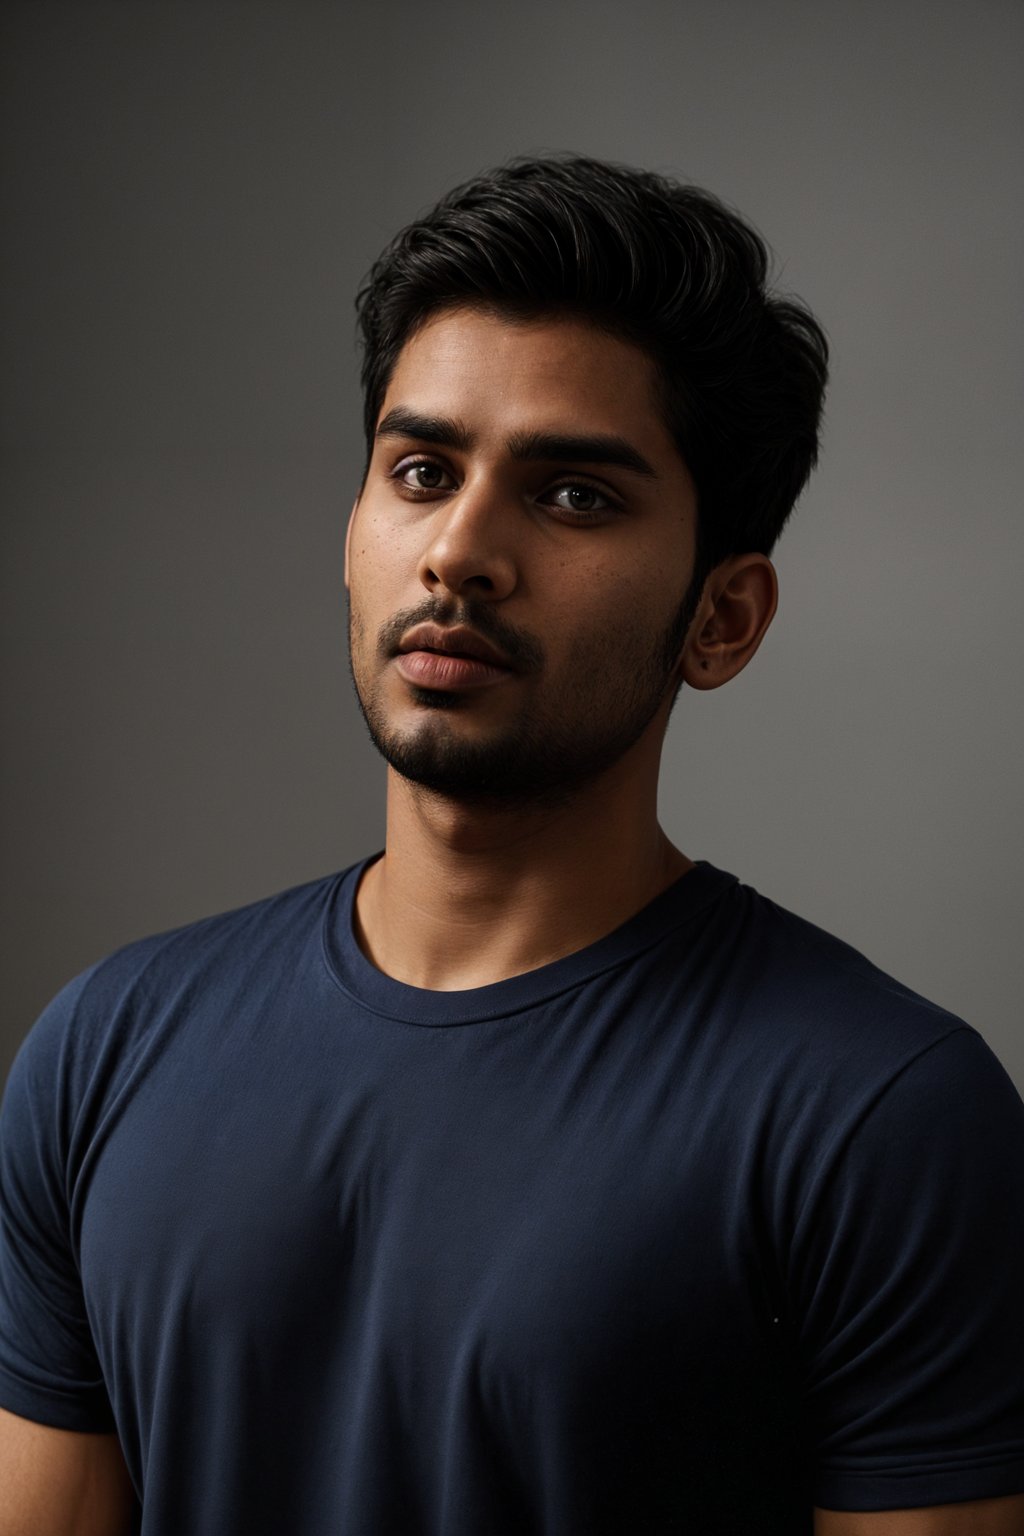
[821, 1002]
[822, 1052]
[99, 1017]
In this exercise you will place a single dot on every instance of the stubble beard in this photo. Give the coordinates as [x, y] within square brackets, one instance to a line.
[544, 760]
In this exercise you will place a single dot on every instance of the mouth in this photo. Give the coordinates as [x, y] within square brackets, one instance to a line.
[459, 642]
[448, 670]
[451, 658]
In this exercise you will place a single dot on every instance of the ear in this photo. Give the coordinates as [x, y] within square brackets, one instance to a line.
[348, 536]
[736, 607]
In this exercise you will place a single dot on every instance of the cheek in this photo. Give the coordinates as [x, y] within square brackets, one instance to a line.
[623, 593]
[623, 618]
[363, 599]
[383, 583]
[373, 560]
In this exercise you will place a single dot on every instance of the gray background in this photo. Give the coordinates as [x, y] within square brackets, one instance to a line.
[191, 194]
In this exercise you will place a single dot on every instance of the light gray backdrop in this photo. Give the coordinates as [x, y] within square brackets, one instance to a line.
[191, 194]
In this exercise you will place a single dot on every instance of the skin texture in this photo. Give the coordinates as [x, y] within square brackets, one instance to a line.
[58, 1482]
[979, 1517]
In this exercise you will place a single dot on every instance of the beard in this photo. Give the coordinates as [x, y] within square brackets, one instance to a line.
[543, 758]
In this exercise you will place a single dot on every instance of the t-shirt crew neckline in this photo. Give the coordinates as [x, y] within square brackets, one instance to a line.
[382, 994]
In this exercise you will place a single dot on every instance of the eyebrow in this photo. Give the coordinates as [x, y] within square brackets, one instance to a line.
[571, 448]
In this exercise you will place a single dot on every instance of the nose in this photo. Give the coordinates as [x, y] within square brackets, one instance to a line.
[469, 547]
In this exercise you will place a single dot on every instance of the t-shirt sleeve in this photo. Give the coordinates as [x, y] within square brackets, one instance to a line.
[909, 1266]
[49, 1371]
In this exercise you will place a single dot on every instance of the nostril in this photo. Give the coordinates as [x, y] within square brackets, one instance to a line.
[485, 583]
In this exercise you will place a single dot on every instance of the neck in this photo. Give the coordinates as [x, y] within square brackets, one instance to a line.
[464, 897]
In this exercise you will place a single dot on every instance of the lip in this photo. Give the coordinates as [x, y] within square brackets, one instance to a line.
[433, 656]
[430, 669]
[459, 642]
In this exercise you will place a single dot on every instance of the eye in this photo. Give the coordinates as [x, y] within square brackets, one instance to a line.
[425, 471]
[582, 490]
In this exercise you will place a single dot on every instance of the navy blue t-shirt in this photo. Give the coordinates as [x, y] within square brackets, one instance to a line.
[686, 1232]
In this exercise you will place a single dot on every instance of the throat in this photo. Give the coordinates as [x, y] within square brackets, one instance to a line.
[451, 935]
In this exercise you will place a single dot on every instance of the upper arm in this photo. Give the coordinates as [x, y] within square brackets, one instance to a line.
[62, 1471]
[61, 1482]
[978, 1517]
[906, 1287]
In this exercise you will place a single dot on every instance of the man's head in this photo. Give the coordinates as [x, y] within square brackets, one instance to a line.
[569, 298]
[741, 372]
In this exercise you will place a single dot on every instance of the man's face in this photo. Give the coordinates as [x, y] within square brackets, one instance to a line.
[577, 571]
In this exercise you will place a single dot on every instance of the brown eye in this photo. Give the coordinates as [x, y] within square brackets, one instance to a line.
[582, 497]
[582, 502]
[428, 475]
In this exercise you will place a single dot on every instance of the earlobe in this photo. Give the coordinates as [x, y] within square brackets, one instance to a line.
[738, 604]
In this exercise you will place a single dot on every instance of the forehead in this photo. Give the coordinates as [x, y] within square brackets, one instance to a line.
[557, 373]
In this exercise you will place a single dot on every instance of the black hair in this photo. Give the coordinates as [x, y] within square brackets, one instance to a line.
[741, 370]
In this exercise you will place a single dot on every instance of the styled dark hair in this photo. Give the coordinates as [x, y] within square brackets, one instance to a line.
[741, 371]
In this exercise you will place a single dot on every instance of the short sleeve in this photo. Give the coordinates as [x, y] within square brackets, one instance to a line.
[908, 1273]
[49, 1370]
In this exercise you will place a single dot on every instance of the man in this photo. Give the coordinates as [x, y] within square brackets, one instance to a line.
[526, 1177]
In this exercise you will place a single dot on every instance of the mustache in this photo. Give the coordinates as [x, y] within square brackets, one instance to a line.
[523, 650]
